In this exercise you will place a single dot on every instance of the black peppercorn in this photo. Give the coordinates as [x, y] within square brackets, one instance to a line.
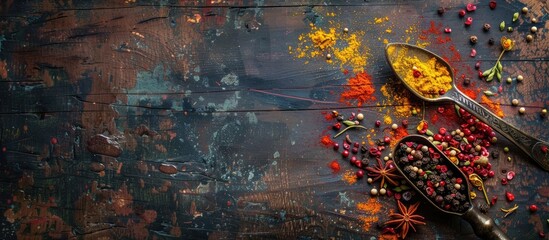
[491, 41]
[441, 10]
[495, 154]
[483, 207]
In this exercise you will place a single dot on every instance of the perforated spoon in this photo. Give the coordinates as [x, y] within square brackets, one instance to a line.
[537, 149]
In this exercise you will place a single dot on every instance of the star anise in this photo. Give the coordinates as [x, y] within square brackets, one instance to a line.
[385, 172]
[406, 218]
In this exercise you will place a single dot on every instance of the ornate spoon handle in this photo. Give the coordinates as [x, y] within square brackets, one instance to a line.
[537, 149]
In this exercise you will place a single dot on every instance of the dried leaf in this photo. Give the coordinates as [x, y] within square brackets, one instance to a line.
[348, 123]
[502, 26]
[491, 76]
[489, 93]
[487, 72]
[456, 107]
[515, 16]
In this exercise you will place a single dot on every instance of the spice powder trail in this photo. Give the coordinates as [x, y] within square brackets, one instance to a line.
[347, 48]
[371, 208]
[359, 89]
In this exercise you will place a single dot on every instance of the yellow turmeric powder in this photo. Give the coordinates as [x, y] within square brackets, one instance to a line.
[429, 78]
[345, 47]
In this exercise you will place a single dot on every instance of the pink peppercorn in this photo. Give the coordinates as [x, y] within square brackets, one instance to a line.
[471, 7]
[468, 21]
[492, 4]
[461, 12]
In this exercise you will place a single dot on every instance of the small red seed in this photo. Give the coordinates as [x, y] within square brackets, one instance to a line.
[336, 146]
[461, 12]
[471, 7]
[53, 140]
[345, 153]
[533, 208]
[378, 123]
[447, 30]
[492, 4]
[417, 73]
[494, 200]
[504, 181]
[510, 175]
[359, 174]
[405, 122]
[468, 21]
[477, 65]
[510, 197]
[473, 52]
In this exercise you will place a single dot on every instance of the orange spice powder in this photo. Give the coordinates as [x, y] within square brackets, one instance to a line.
[398, 134]
[359, 89]
[349, 177]
[326, 141]
[493, 106]
[371, 207]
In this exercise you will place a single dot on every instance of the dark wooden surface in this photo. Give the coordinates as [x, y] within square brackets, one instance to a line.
[249, 160]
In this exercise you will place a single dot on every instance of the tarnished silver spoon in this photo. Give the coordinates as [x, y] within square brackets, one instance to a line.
[483, 226]
[537, 149]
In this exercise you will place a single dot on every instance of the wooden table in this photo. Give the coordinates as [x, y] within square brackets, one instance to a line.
[163, 119]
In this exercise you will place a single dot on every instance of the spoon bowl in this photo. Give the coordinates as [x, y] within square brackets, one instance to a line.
[483, 225]
[536, 149]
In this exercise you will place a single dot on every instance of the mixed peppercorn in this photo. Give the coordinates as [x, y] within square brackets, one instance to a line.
[433, 175]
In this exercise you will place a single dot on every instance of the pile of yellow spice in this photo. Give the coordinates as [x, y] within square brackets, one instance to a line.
[336, 46]
[429, 78]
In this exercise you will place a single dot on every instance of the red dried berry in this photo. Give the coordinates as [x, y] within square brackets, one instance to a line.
[533, 208]
[471, 7]
[510, 197]
[461, 12]
[492, 4]
[468, 21]
[494, 200]
[359, 174]
[417, 73]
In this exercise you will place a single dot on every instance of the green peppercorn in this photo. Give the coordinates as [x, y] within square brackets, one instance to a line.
[543, 112]
[533, 29]
[520, 78]
[529, 38]
[506, 149]
[510, 29]
[525, 10]
[522, 110]
[509, 80]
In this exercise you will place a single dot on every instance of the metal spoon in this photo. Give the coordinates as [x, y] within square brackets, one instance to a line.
[483, 226]
[537, 149]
